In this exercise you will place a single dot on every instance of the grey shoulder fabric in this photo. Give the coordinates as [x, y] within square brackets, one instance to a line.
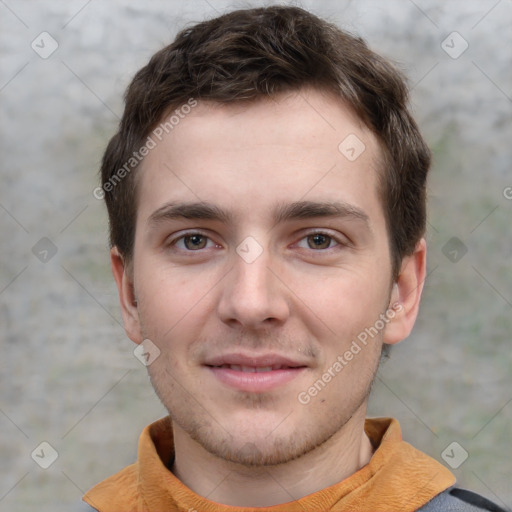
[451, 500]
[460, 500]
[84, 507]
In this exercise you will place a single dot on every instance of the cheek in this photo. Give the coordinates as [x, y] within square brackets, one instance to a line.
[345, 301]
[165, 299]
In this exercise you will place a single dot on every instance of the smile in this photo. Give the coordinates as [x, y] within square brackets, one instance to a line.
[253, 369]
[254, 379]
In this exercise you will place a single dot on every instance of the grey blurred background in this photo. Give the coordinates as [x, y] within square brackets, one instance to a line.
[68, 375]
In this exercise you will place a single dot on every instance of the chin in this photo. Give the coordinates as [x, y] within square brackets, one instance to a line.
[255, 451]
[259, 438]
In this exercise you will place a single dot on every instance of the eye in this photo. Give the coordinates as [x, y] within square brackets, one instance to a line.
[318, 241]
[193, 242]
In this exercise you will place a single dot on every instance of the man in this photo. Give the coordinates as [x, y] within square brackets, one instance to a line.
[266, 196]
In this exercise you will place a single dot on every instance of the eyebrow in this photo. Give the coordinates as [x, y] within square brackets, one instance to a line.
[283, 212]
[193, 210]
[312, 209]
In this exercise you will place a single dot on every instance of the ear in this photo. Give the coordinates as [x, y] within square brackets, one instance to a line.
[406, 295]
[123, 275]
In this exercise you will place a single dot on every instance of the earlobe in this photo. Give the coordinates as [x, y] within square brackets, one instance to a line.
[406, 295]
[129, 306]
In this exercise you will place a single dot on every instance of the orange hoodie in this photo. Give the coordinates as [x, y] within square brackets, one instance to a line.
[397, 478]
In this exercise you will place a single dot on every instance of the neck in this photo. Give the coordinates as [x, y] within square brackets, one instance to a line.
[233, 484]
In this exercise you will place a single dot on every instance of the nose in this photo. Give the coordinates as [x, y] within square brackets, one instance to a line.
[253, 296]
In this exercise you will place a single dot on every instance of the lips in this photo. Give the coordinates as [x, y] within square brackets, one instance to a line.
[269, 360]
[254, 373]
[253, 369]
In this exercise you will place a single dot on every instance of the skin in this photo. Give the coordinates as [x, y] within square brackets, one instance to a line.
[305, 297]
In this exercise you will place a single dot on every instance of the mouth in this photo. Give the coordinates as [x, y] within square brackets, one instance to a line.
[254, 369]
[254, 374]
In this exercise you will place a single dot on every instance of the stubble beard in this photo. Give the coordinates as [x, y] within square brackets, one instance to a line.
[269, 445]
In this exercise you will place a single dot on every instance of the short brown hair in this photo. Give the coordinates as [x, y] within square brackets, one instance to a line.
[255, 53]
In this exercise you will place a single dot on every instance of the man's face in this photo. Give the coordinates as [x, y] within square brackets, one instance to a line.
[260, 255]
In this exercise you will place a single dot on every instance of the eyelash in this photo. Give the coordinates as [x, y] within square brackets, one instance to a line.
[188, 235]
[339, 243]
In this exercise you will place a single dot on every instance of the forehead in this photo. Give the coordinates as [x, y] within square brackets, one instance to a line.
[247, 156]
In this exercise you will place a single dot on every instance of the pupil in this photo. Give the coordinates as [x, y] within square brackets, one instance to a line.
[196, 241]
[320, 241]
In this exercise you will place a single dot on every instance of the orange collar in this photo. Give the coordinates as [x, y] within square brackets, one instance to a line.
[398, 477]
